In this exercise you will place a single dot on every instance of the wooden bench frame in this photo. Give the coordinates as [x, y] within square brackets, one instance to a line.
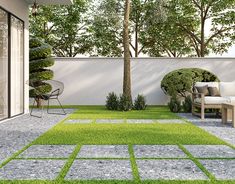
[202, 106]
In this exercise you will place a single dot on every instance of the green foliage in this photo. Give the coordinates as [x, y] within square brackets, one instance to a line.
[140, 103]
[125, 103]
[180, 82]
[63, 27]
[112, 101]
[174, 105]
[187, 104]
[39, 60]
[192, 18]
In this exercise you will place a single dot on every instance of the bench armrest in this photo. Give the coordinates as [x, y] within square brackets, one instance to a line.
[198, 95]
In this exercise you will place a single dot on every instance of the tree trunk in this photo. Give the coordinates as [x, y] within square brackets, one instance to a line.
[202, 35]
[127, 62]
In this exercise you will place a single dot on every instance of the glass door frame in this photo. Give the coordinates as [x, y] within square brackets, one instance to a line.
[9, 23]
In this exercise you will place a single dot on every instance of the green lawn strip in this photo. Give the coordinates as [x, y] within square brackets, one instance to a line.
[68, 164]
[133, 164]
[100, 112]
[92, 134]
[196, 161]
[16, 154]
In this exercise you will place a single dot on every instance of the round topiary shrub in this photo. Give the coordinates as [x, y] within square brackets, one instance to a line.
[180, 82]
[39, 60]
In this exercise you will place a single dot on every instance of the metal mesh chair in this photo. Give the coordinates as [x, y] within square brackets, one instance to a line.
[57, 89]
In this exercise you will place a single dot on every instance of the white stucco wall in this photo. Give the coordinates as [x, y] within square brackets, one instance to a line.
[19, 8]
[88, 80]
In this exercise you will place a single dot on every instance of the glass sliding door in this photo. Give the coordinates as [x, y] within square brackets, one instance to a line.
[3, 64]
[17, 66]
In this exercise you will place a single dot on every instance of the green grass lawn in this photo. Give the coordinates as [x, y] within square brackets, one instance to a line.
[129, 134]
[100, 112]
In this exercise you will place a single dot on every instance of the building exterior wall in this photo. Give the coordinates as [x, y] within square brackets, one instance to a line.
[88, 80]
[19, 8]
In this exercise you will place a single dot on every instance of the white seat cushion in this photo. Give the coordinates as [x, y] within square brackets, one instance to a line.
[231, 98]
[214, 100]
[209, 84]
[227, 88]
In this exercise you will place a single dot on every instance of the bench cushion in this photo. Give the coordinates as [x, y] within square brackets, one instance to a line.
[214, 100]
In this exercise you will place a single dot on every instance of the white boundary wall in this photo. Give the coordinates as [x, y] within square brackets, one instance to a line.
[88, 80]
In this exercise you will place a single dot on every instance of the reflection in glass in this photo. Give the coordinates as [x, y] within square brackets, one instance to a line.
[3, 64]
[17, 66]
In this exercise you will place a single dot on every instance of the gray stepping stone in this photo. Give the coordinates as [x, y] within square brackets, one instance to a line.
[78, 121]
[100, 170]
[221, 169]
[140, 121]
[171, 121]
[111, 121]
[104, 151]
[211, 151]
[169, 170]
[48, 151]
[31, 169]
[158, 151]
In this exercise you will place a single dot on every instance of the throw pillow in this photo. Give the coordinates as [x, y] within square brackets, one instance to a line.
[203, 90]
[213, 91]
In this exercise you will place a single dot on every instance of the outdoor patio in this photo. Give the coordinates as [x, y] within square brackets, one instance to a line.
[88, 146]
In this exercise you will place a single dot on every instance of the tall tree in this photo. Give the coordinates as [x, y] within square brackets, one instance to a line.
[127, 61]
[209, 24]
[63, 27]
[106, 26]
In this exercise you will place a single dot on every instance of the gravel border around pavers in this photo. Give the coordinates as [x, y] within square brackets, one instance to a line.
[169, 170]
[158, 151]
[110, 121]
[100, 170]
[140, 121]
[18, 132]
[214, 126]
[211, 151]
[104, 151]
[171, 121]
[78, 121]
[221, 169]
[32, 169]
[48, 151]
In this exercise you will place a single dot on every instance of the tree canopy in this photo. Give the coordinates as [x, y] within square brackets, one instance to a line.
[172, 28]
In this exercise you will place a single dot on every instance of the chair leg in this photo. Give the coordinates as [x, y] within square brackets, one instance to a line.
[202, 112]
[31, 112]
[64, 113]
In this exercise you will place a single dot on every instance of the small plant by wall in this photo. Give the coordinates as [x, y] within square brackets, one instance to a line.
[123, 103]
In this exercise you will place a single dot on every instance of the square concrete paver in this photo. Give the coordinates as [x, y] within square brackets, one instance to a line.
[211, 151]
[48, 151]
[78, 121]
[31, 169]
[171, 121]
[158, 151]
[221, 169]
[140, 121]
[110, 121]
[103, 151]
[100, 170]
[169, 170]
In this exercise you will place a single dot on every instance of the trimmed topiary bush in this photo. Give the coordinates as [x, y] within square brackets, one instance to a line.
[187, 104]
[140, 103]
[174, 105]
[112, 101]
[125, 103]
[180, 82]
[39, 60]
